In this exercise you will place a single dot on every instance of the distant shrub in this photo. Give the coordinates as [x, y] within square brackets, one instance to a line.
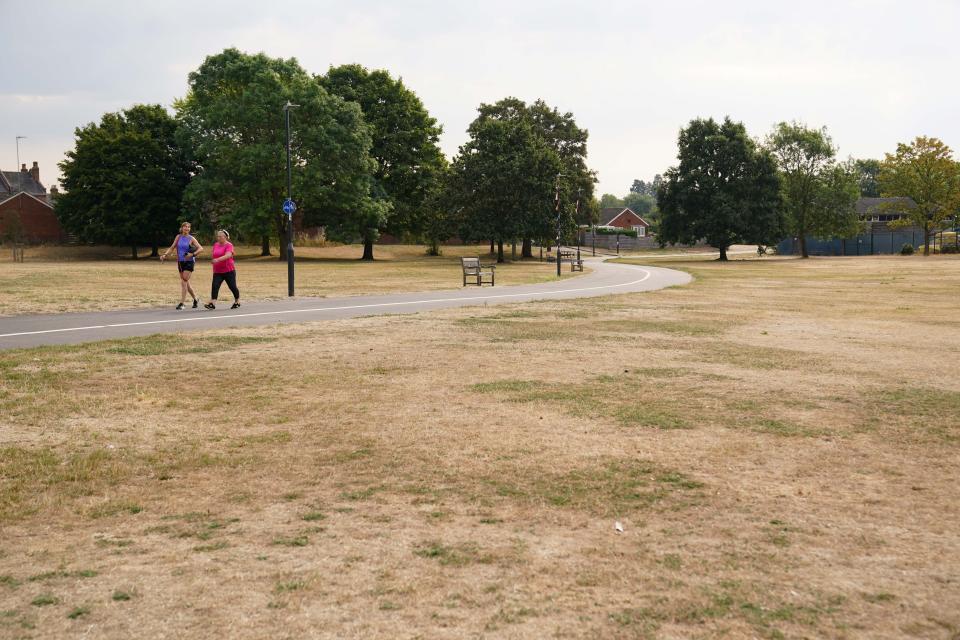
[906, 250]
[949, 248]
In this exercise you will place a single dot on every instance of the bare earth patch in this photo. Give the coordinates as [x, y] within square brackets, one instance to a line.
[779, 441]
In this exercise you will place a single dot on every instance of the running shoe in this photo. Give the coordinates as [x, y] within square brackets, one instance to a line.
[179, 306]
[235, 305]
[195, 303]
[209, 305]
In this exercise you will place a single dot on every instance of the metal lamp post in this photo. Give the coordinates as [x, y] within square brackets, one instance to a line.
[576, 216]
[289, 206]
[556, 202]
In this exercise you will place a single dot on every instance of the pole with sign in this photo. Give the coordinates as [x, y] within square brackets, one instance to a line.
[289, 206]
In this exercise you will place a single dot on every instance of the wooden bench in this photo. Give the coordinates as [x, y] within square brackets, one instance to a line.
[576, 264]
[478, 273]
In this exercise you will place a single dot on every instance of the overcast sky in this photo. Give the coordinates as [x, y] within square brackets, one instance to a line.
[875, 72]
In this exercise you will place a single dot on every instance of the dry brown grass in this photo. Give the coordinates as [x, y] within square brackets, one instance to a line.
[780, 440]
[59, 279]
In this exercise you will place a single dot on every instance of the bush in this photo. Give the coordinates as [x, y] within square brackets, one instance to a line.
[949, 248]
[906, 250]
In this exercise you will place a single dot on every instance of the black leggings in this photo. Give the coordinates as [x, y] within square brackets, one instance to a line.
[230, 278]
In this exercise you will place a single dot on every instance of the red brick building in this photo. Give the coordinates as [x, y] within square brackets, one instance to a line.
[26, 209]
[624, 218]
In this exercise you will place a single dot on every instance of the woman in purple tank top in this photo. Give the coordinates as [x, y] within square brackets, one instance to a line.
[187, 251]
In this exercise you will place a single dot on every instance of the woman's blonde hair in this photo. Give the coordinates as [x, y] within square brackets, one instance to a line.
[186, 223]
[224, 232]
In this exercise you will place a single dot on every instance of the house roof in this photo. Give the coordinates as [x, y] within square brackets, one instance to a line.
[4, 198]
[609, 214]
[14, 179]
[867, 206]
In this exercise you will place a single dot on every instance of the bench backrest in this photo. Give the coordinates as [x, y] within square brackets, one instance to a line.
[470, 265]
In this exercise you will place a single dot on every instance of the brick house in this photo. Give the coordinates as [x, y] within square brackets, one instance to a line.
[26, 209]
[625, 218]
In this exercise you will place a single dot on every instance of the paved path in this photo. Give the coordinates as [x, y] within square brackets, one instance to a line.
[72, 328]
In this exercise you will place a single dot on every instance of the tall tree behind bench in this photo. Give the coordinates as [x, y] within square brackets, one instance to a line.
[124, 179]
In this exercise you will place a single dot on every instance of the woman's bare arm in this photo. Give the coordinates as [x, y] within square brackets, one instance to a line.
[171, 248]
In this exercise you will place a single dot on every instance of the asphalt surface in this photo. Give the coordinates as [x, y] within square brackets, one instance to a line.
[73, 328]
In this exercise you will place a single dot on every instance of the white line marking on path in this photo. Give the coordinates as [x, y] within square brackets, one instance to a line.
[319, 309]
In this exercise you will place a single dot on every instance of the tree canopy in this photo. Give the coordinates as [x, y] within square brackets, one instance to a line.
[925, 172]
[868, 171]
[819, 194]
[404, 145]
[125, 178]
[504, 179]
[725, 190]
[233, 120]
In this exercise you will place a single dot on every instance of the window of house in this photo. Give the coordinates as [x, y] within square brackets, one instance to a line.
[640, 229]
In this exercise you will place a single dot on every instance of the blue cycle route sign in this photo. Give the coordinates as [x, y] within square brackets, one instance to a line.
[289, 206]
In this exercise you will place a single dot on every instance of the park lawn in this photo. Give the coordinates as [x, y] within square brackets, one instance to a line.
[779, 441]
[55, 280]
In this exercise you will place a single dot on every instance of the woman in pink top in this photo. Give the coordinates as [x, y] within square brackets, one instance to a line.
[224, 270]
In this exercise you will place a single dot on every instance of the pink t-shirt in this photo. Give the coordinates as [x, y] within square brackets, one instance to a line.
[224, 266]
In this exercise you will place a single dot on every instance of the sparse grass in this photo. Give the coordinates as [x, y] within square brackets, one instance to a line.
[759, 433]
[78, 612]
[121, 595]
[88, 279]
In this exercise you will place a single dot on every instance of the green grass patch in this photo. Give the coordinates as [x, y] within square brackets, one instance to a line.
[645, 416]
[113, 508]
[121, 596]
[45, 600]
[78, 612]
[295, 541]
[459, 555]
[162, 343]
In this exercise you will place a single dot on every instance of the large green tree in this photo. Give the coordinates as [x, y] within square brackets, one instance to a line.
[609, 200]
[725, 189]
[819, 195]
[124, 179]
[503, 180]
[405, 147]
[869, 172]
[560, 132]
[233, 119]
[925, 172]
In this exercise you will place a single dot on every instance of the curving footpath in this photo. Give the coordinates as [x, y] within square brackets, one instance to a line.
[72, 328]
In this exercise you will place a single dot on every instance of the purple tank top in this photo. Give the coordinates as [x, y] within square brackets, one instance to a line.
[183, 248]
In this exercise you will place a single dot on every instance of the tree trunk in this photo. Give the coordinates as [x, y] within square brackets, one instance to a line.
[265, 246]
[926, 239]
[500, 251]
[491, 247]
[134, 252]
[526, 249]
[513, 251]
[155, 248]
[803, 246]
[723, 254]
[367, 249]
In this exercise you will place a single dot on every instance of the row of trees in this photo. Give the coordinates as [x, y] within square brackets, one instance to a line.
[365, 156]
[729, 189]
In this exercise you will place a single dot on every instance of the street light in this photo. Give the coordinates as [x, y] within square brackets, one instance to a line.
[556, 202]
[576, 219]
[289, 207]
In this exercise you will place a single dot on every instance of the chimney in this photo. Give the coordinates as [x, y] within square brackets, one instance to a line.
[35, 172]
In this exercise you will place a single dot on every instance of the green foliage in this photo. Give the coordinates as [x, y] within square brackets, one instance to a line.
[405, 142]
[506, 176]
[233, 120]
[647, 188]
[125, 178]
[906, 250]
[724, 190]
[615, 231]
[608, 200]
[819, 195]
[869, 173]
[925, 172]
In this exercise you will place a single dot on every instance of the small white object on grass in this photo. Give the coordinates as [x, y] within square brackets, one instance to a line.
[618, 526]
